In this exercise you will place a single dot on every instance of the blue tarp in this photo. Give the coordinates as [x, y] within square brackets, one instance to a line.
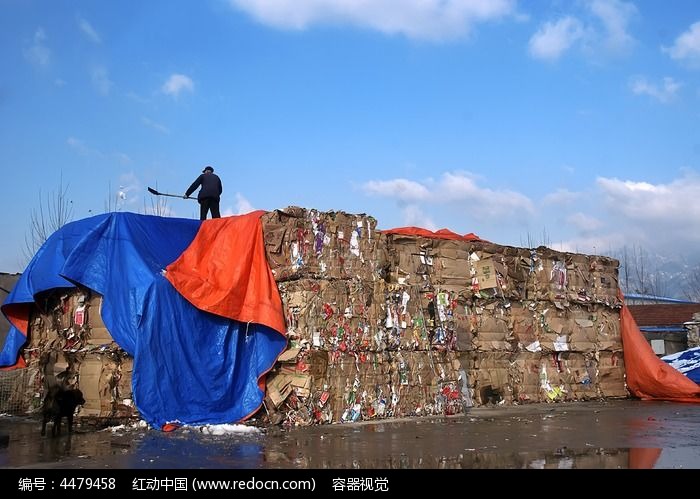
[687, 362]
[190, 366]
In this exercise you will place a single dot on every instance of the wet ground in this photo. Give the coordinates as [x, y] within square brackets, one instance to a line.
[598, 435]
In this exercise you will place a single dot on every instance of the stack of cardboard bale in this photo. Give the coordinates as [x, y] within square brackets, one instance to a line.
[70, 346]
[398, 325]
[383, 325]
[329, 272]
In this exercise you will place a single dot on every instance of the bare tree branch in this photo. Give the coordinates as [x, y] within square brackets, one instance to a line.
[53, 212]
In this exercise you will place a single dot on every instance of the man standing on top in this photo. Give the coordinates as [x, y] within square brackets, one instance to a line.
[209, 195]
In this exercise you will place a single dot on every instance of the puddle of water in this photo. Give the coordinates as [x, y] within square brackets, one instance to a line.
[607, 437]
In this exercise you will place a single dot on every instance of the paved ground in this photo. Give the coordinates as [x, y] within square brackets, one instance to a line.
[600, 435]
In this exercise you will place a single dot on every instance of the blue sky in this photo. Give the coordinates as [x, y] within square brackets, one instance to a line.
[569, 122]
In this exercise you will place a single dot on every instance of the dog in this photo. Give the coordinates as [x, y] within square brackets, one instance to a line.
[60, 403]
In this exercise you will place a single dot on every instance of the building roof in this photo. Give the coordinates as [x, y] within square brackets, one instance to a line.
[663, 314]
[640, 299]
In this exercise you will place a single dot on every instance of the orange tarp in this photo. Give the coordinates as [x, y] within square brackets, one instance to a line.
[649, 377]
[643, 458]
[18, 315]
[439, 234]
[224, 271]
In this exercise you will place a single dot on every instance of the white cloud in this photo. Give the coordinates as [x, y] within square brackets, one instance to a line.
[88, 30]
[453, 188]
[663, 93]
[123, 158]
[563, 197]
[400, 188]
[600, 29]
[176, 84]
[462, 188]
[155, 126]
[583, 222]
[137, 98]
[82, 149]
[78, 146]
[37, 52]
[422, 19]
[648, 210]
[595, 244]
[100, 80]
[242, 207]
[555, 38]
[671, 202]
[615, 16]
[687, 46]
[413, 216]
[662, 217]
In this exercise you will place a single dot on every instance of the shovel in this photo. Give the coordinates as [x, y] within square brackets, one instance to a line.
[156, 193]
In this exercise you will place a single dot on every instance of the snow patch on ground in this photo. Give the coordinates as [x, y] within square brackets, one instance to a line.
[226, 429]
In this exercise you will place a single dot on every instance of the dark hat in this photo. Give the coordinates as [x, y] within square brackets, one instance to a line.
[208, 169]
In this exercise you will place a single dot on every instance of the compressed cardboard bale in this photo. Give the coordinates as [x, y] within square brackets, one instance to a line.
[50, 321]
[278, 388]
[579, 280]
[90, 372]
[308, 243]
[524, 376]
[604, 276]
[417, 320]
[97, 333]
[317, 361]
[583, 328]
[332, 376]
[373, 363]
[331, 315]
[490, 328]
[451, 262]
[611, 374]
[485, 275]
[551, 388]
[524, 327]
[411, 259]
[343, 390]
[578, 372]
[552, 279]
[608, 334]
[109, 381]
[124, 402]
[554, 329]
[417, 380]
[443, 335]
[490, 378]
[42, 336]
[554, 379]
[565, 276]
[449, 385]
[376, 395]
[99, 336]
[464, 340]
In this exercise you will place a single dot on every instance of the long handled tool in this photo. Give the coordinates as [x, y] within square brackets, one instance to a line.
[156, 193]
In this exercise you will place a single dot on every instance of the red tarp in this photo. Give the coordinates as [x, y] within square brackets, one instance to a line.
[439, 234]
